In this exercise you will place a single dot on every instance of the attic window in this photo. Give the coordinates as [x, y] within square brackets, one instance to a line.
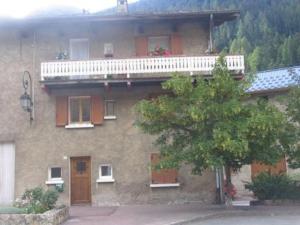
[108, 50]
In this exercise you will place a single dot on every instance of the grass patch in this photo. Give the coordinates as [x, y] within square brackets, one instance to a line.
[12, 210]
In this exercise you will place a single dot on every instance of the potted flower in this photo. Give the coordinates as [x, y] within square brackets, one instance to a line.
[229, 193]
[160, 51]
[62, 56]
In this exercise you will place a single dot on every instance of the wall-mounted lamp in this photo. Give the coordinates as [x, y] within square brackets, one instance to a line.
[26, 99]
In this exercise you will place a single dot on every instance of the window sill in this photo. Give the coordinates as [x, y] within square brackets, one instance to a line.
[54, 182]
[112, 180]
[79, 125]
[110, 117]
[165, 185]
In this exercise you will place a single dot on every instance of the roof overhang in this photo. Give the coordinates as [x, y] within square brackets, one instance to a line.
[220, 16]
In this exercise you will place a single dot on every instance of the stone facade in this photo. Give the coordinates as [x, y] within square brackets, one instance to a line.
[117, 142]
[52, 217]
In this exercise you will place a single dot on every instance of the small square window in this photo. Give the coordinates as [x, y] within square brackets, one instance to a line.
[55, 173]
[110, 109]
[105, 172]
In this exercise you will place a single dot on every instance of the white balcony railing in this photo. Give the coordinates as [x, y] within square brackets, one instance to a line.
[148, 65]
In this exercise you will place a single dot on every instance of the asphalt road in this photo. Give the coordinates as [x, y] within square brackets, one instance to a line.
[252, 220]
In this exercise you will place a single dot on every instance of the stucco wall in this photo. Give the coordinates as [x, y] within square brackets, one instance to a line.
[118, 142]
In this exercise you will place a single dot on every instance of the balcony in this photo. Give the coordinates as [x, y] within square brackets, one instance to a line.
[136, 67]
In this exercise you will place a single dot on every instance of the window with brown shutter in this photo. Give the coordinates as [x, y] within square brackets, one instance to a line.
[97, 110]
[85, 111]
[176, 44]
[61, 111]
[162, 176]
[278, 168]
[141, 46]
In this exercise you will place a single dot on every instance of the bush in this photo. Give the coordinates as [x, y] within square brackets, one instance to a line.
[272, 187]
[37, 200]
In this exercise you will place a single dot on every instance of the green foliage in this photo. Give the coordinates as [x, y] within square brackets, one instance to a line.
[272, 187]
[207, 123]
[11, 210]
[39, 201]
[293, 111]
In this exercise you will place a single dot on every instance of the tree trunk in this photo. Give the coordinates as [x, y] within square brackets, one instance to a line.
[228, 175]
[227, 187]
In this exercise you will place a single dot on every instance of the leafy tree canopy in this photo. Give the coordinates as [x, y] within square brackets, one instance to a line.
[293, 111]
[213, 122]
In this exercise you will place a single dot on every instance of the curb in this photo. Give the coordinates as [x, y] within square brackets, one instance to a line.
[238, 212]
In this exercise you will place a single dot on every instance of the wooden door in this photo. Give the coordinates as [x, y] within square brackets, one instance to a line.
[80, 180]
[7, 173]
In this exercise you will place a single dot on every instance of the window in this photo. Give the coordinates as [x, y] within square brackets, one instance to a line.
[105, 173]
[159, 46]
[110, 109]
[163, 177]
[54, 175]
[108, 50]
[79, 110]
[79, 49]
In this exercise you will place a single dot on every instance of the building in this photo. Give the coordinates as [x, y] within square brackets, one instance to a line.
[88, 71]
[270, 85]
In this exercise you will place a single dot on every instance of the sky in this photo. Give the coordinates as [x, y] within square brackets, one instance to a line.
[23, 8]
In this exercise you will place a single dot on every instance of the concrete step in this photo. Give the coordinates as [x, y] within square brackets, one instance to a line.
[241, 202]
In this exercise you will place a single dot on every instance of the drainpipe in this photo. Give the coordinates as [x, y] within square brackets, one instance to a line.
[219, 186]
[33, 69]
[211, 29]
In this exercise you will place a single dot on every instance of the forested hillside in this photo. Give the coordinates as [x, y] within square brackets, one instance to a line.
[268, 32]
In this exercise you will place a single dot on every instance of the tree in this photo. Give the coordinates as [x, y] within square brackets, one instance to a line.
[207, 123]
[293, 111]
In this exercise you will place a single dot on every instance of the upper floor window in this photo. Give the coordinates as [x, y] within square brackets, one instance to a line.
[110, 109]
[79, 49]
[108, 50]
[159, 46]
[79, 109]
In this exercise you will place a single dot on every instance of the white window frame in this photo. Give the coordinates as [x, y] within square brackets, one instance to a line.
[105, 179]
[106, 116]
[83, 124]
[55, 180]
[73, 40]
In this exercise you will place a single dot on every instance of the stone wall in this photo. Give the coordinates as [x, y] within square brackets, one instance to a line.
[52, 217]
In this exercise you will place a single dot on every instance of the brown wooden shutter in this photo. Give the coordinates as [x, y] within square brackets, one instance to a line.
[141, 46]
[61, 111]
[97, 110]
[163, 176]
[278, 168]
[176, 44]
